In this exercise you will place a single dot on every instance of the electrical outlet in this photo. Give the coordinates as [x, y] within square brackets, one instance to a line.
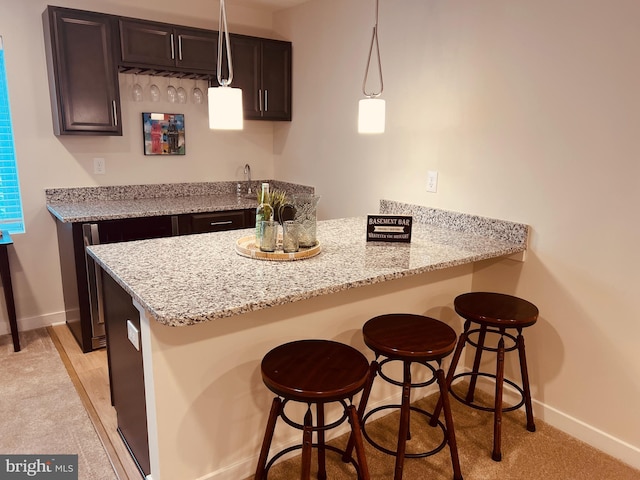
[99, 166]
[432, 181]
[133, 334]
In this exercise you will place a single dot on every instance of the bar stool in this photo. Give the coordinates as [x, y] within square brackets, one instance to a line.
[409, 339]
[493, 313]
[314, 372]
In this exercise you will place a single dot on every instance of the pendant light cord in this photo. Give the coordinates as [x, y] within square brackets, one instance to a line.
[223, 30]
[374, 40]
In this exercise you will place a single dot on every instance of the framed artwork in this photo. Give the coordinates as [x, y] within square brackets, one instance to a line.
[163, 133]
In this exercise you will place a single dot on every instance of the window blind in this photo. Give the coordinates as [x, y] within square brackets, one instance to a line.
[11, 217]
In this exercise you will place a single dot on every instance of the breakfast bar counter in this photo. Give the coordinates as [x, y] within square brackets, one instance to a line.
[207, 316]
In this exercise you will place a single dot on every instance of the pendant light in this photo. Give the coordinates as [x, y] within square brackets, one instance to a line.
[225, 103]
[371, 110]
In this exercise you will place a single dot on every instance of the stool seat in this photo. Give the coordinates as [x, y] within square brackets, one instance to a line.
[316, 372]
[311, 370]
[496, 309]
[405, 336]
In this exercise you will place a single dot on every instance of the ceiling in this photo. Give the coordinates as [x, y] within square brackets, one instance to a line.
[271, 4]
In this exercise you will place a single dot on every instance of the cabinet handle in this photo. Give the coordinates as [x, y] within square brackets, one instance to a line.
[173, 55]
[114, 106]
[260, 100]
[266, 100]
[180, 47]
[225, 222]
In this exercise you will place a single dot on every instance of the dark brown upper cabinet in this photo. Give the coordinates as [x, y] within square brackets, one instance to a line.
[262, 69]
[83, 78]
[160, 47]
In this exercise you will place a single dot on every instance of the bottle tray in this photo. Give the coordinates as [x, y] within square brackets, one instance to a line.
[246, 246]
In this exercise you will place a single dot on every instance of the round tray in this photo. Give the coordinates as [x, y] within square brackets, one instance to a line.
[246, 246]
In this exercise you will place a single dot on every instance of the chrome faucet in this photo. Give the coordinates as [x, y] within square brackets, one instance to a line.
[247, 177]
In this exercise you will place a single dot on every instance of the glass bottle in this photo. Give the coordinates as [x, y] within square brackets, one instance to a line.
[263, 212]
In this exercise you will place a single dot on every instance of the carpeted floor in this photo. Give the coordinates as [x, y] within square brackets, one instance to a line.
[547, 454]
[40, 410]
[41, 413]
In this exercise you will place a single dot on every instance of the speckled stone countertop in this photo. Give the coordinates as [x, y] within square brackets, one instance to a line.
[91, 204]
[197, 278]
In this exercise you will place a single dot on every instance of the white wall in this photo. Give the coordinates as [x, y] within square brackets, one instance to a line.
[529, 111]
[46, 161]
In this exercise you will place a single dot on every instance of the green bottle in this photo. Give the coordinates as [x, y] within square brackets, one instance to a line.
[263, 212]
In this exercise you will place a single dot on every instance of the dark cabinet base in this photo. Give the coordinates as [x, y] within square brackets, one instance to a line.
[126, 374]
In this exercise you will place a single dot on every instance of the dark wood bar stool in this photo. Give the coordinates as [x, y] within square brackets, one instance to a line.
[409, 339]
[314, 372]
[493, 313]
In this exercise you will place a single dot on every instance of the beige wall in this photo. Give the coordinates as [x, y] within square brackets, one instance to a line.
[529, 111]
[46, 161]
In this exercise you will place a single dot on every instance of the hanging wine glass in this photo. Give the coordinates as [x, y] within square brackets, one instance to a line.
[181, 92]
[197, 94]
[136, 90]
[154, 91]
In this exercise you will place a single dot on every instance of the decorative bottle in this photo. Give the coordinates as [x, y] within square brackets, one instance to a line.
[263, 212]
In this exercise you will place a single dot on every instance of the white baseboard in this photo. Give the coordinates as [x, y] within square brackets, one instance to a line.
[31, 323]
[623, 451]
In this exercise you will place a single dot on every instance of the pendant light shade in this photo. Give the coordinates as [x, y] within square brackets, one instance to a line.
[225, 103]
[225, 108]
[371, 115]
[371, 110]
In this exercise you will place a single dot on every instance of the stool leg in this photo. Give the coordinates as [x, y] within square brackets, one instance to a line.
[404, 421]
[322, 464]
[476, 364]
[531, 426]
[373, 371]
[497, 417]
[356, 433]
[451, 435]
[307, 444]
[276, 409]
[452, 370]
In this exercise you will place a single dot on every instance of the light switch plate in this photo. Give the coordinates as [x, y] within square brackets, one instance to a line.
[99, 166]
[133, 334]
[432, 181]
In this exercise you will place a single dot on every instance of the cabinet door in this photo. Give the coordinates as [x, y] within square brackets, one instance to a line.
[83, 80]
[146, 43]
[197, 50]
[126, 371]
[245, 53]
[276, 80]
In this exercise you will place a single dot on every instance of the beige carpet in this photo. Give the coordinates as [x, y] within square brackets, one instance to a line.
[40, 410]
[545, 454]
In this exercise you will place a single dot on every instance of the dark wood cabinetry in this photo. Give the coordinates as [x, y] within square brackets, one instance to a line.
[79, 273]
[262, 69]
[160, 47]
[83, 78]
[85, 51]
[126, 372]
[80, 282]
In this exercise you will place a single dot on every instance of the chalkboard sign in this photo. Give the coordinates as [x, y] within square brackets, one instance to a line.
[389, 228]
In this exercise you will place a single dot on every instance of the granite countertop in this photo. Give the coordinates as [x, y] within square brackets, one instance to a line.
[190, 279]
[91, 204]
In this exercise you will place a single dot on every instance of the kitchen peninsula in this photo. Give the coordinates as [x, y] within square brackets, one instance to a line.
[206, 317]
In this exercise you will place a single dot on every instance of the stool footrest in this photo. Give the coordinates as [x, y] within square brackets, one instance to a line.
[394, 453]
[472, 404]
